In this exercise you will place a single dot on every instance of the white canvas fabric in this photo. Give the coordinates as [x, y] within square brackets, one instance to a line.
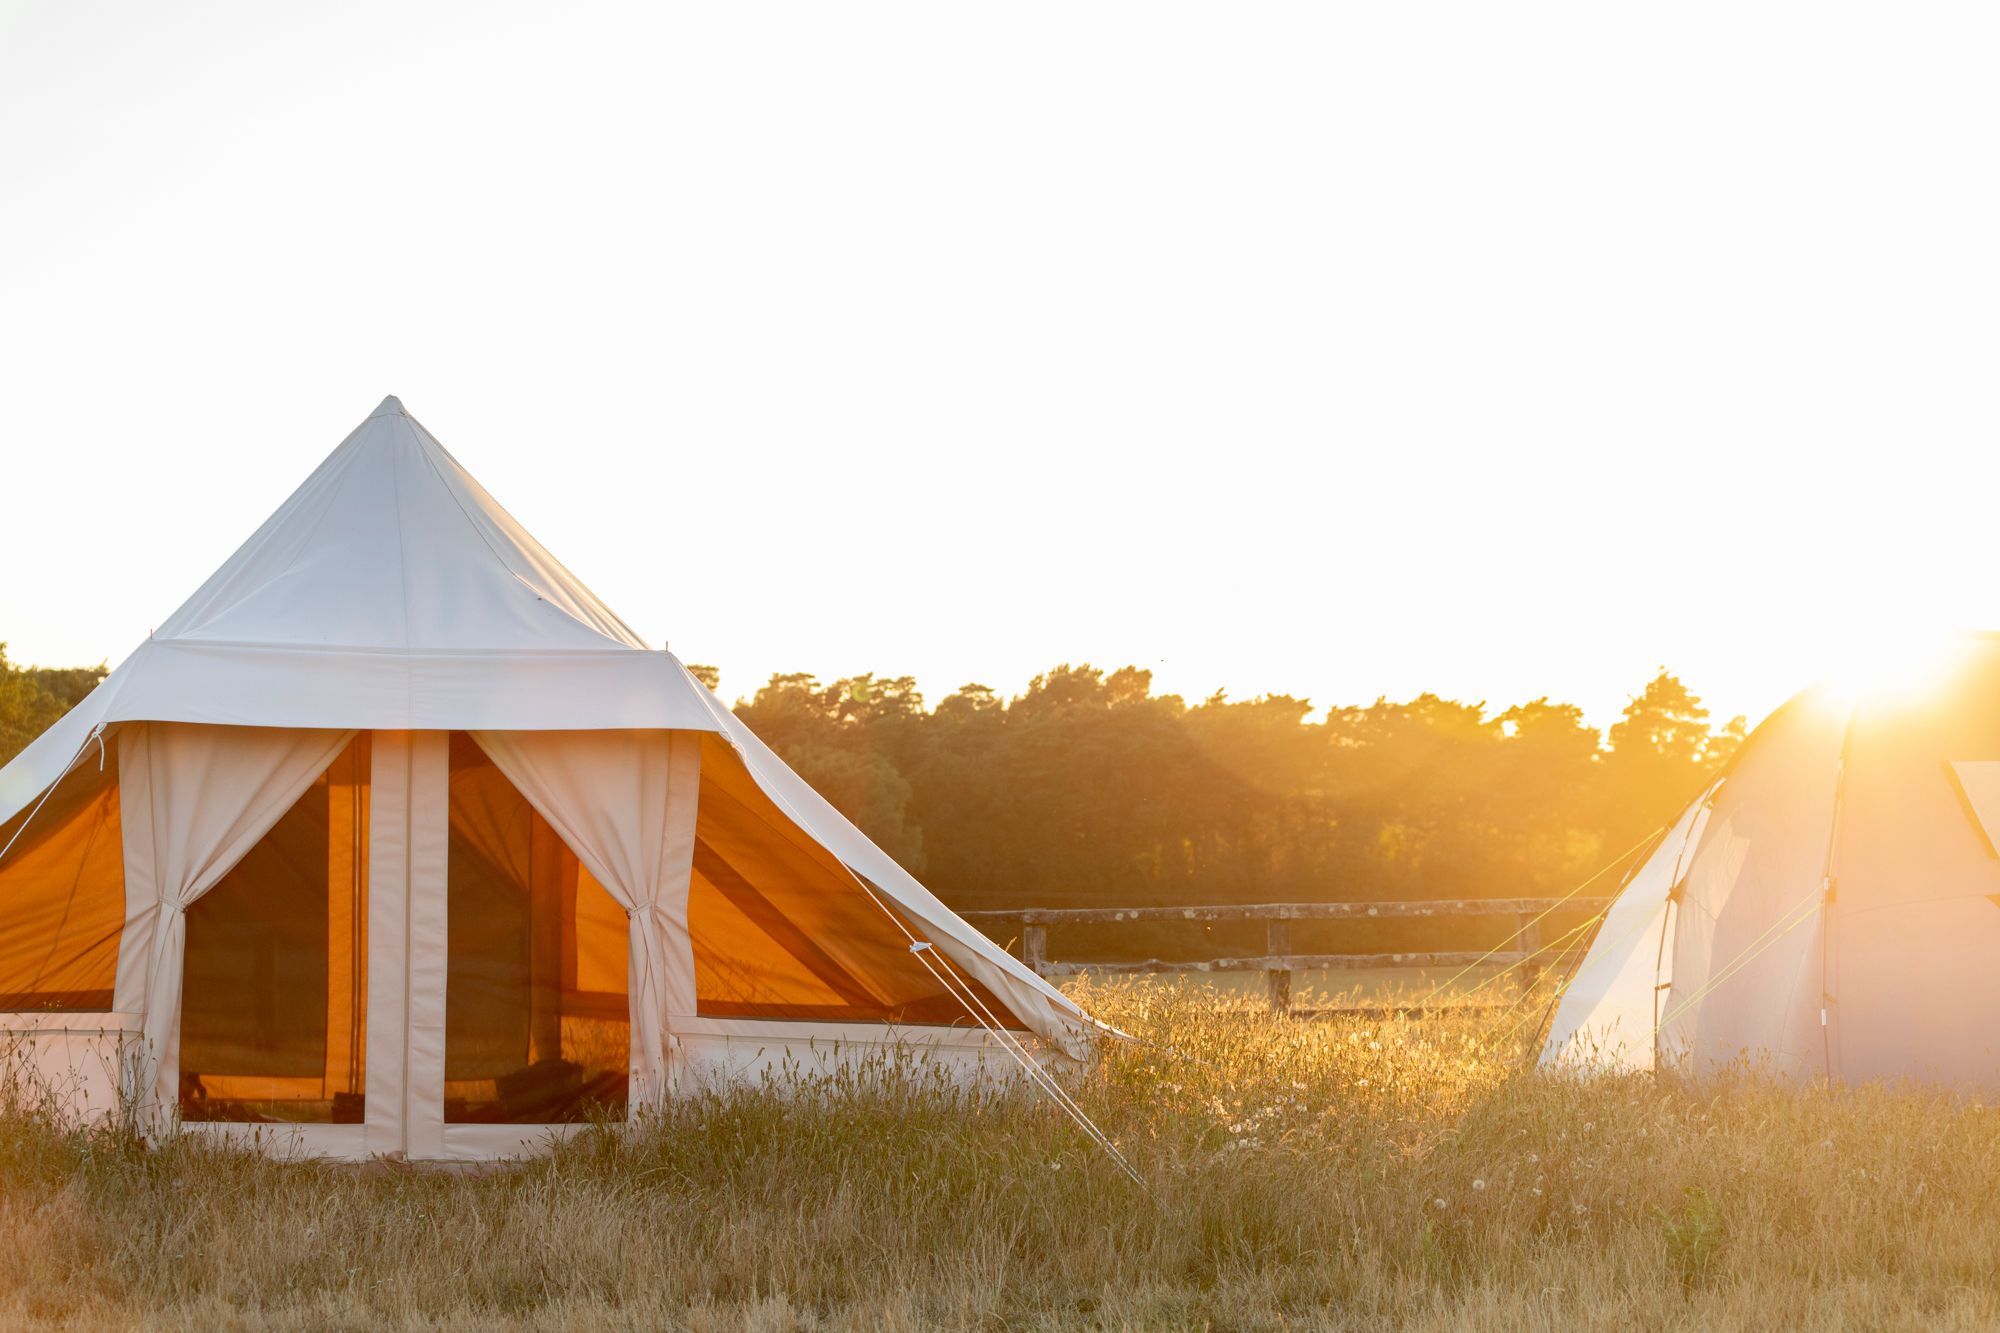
[72, 1065]
[395, 979]
[1747, 940]
[1914, 925]
[1604, 1022]
[1839, 912]
[196, 799]
[408, 934]
[624, 802]
[1738, 913]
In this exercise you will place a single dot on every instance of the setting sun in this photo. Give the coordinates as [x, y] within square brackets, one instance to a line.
[1898, 666]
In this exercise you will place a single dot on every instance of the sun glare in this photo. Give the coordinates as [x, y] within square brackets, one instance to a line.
[1892, 667]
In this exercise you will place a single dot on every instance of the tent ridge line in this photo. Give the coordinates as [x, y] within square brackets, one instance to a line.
[429, 444]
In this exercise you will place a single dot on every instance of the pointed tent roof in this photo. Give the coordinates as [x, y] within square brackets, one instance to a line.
[390, 545]
[389, 591]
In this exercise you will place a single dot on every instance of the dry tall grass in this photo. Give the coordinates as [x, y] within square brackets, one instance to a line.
[1304, 1174]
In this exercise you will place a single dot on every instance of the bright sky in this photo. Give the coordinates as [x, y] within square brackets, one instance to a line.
[1342, 350]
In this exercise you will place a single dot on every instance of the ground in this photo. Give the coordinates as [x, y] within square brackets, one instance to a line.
[1298, 1174]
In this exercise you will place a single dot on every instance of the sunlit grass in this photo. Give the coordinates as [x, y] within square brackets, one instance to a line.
[1350, 1172]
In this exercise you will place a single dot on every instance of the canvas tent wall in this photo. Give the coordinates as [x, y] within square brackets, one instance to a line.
[395, 837]
[1830, 908]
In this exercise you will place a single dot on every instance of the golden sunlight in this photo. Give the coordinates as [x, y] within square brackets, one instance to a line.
[1898, 667]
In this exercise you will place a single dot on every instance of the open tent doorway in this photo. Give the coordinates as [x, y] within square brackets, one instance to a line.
[537, 1009]
[274, 1001]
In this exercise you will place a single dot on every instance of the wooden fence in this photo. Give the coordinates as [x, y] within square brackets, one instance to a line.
[1278, 962]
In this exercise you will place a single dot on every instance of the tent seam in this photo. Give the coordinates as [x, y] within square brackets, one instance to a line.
[479, 531]
[638, 639]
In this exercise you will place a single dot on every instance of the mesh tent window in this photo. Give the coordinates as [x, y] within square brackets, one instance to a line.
[274, 992]
[782, 930]
[62, 893]
[537, 1008]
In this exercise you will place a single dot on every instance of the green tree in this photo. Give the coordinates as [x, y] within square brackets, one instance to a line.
[1662, 754]
[846, 739]
[1090, 788]
[32, 699]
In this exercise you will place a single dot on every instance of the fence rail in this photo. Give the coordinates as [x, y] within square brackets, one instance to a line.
[1278, 962]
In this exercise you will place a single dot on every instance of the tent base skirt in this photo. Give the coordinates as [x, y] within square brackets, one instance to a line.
[73, 1063]
[68, 1064]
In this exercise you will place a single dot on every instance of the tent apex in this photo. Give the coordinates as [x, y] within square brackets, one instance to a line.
[391, 406]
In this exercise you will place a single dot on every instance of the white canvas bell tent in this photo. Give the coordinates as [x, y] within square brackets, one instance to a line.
[1830, 908]
[394, 839]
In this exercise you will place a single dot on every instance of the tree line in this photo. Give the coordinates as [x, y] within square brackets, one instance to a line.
[1089, 789]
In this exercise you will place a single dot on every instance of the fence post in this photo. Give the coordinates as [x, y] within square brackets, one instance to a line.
[1035, 947]
[1278, 981]
[1530, 943]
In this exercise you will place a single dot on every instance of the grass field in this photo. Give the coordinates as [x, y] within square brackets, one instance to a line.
[1335, 1173]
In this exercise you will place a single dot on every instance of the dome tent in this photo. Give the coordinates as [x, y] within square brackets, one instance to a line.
[393, 839]
[1829, 908]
